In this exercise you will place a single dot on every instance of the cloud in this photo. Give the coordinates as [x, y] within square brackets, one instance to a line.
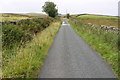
[72, 6]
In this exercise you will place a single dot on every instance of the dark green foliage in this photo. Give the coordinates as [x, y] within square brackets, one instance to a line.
[21, 32]
[13, 34]
[68, 16]
[50, 9]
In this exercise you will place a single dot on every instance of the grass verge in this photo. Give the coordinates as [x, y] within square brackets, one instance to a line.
[104, 42]
[29, 60]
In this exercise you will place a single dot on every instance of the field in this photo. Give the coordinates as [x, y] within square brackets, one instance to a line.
[14, 17]
[97, 16]
[25, 44]
[99, 20]
[104, 42]
[36, 15]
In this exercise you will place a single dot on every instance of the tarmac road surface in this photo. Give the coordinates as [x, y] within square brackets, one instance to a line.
[71, 57]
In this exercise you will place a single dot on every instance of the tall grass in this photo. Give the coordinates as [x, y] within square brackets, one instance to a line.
[17, 35]
[19, 45]
[0, 60]
[104, 42]
[28, 60]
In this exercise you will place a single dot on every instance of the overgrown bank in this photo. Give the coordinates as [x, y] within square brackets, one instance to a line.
[20, 32]
[25, 61]
[104, 42]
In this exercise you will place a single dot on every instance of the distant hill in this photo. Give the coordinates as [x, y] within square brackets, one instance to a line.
[36, 14]
[19, 16]
[12, 15]
[96, 15]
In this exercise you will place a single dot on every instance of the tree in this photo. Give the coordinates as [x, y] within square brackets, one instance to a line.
[50, 9]
[68, 16]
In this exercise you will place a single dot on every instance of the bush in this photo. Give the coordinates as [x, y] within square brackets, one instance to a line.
[21, 32]
[12, 34]
[29, 60]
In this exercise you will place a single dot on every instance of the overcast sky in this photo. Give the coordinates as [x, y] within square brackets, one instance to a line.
[105, 7]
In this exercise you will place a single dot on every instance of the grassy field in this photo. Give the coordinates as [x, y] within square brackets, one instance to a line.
[28, 60]
[104, 42]
[98, 19]
[14, 17]
[36, 15]
[97, 16]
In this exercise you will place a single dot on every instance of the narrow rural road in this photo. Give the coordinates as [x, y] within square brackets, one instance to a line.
[71, 57]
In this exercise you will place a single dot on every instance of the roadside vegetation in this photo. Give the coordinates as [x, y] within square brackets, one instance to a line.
[104, 42]
[15, 34]
[29, 59]
[25, 44]
[98, 19]
[26, 39]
